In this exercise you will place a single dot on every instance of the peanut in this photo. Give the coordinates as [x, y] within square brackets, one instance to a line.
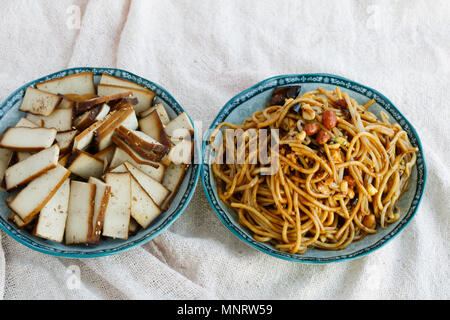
[307, 112]
[311, 128]
[341, 103]
[329, 119]
[369, 221]
[323, 137]
[350, 181]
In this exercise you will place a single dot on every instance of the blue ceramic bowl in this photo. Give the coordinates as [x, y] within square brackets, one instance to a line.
[255, 98]
[9, 115]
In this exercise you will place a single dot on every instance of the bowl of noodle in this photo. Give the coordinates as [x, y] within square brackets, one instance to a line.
[313, 168]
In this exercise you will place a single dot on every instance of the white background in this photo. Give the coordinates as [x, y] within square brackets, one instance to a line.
[205, 52]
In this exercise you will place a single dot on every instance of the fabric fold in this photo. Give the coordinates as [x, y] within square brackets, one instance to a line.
[204, 53]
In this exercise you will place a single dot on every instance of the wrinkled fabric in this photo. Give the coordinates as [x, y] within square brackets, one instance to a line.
[204, 53]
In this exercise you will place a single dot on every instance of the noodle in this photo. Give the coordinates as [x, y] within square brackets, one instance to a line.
[326, 189]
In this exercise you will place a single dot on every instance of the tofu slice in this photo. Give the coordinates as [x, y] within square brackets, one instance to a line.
[119, 169]
[155, 189]
[152, 126]
[32, 167]
[118, 211]
[120, 156]
[39, 102]
[143, 146]
[65, 140]
[27, 139]
[111, 80]
[81, 211]
[78, 83]
[63, 160]
[5, 158]
[102, 196]
[89, 117]
[106, 154]
[160, 111]
[83, 121]
[66, 103]
[105, 165]
[104, 125]
[140, 139]
[74, 97]
[143, 209]
[145, 97]
[30, 200]
[182, 152]
[123, 103]
[133, 228]
[178, 127]
[172, 180]
[132, 152]
[52, 218]
[10, 199]
[13, 217]
[83, 140]
[60, 119]
[24, 122]
[84, 165]
[17, 220]
[21, 156]
[34, 118]
[174, 176]
[84, 106]
[103, 135]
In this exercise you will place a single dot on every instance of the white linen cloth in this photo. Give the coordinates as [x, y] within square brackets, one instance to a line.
[205, 52]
